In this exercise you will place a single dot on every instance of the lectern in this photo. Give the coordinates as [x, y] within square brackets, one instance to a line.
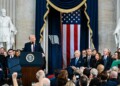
[30, 63]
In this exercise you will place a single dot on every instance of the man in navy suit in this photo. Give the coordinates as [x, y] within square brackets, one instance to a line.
[106, 59]
[75, 63]
[32, 46]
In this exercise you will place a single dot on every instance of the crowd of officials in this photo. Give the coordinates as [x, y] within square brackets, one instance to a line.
[87, 68]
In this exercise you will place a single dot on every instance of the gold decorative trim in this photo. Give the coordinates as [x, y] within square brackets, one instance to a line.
[88, 25]
[43, 27]
[66, 10]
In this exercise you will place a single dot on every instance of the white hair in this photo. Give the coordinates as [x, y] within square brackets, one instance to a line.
[94, 72]
[114, 68]
[40, 74]
[113, 74]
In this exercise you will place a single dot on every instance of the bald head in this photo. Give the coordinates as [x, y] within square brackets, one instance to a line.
[40, 74]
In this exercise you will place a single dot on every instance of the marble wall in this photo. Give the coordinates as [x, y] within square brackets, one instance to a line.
[107, 24]
[25, 21]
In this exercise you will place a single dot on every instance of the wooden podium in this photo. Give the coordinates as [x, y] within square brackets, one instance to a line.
[30, 63]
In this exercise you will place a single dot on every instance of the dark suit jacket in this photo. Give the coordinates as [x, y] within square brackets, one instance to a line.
[3, 61]
[72, 63]
[38, 48]
[27, 47]
[79, 62]
[91, 61]
[108, 64]
[96, 63]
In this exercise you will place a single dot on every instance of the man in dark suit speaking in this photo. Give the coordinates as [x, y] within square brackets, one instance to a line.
[32, 46]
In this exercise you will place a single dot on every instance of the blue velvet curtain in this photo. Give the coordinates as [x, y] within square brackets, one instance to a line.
[92, 10]
[84, 30]
[40, 11]
[55, 51]
[66, 4]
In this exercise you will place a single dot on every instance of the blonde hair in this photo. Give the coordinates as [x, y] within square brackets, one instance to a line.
[100, 68]
[70, 83]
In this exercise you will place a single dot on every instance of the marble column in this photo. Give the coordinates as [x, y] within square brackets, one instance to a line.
[107, 24]
[118, 10]
[25, 21]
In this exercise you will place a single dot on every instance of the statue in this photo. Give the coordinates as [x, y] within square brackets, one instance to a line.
[7, 31]
[117, 34]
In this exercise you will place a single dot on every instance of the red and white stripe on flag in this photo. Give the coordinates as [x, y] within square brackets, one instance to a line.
[70, 42]
[70, 35]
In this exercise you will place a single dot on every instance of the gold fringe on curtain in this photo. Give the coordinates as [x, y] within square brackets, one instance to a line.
[88, 25]
[66, 11]
[43, 27]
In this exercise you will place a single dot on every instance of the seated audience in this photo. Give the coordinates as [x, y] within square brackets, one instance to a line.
[106, 59]
[97, 60]
[88, 60]
[115, 56]
[3, 61]
[17, 53]
[75, 62]
[94, 52]
[116, 61]
[84, 54]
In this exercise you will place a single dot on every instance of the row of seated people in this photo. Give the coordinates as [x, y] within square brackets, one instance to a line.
[90, 69]
[91, 59]
[9, 63]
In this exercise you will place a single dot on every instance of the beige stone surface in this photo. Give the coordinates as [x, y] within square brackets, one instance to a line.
[25, 21]
[107, 24]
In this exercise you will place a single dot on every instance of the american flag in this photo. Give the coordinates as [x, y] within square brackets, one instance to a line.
[70, 35]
